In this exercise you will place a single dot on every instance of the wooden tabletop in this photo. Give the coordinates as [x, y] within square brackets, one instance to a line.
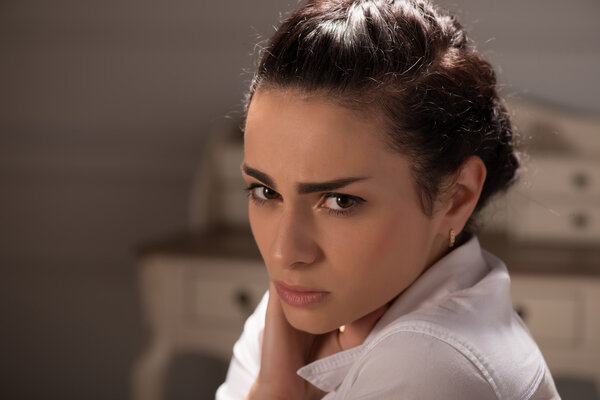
[543, 257]
[520, 258]
[235, 243]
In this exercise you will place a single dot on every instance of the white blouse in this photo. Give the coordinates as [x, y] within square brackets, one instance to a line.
[452, 335]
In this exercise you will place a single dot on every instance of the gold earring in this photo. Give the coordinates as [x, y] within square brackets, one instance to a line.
[452, 238]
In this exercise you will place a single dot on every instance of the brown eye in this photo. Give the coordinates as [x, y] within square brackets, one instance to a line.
[263, 193]
[344, 201]
[269, 193]
[339, 202]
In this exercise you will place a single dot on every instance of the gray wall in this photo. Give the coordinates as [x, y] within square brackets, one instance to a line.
[544, 49]
[103, 110]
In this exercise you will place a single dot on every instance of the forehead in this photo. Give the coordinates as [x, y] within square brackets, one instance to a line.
[314, 134]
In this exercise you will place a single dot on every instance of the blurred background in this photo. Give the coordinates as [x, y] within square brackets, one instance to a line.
[126, 268]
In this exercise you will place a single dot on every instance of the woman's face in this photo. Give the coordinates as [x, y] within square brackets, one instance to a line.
[332, 209]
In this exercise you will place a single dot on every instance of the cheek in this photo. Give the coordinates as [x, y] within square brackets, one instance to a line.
[387, 252]
[261, 229]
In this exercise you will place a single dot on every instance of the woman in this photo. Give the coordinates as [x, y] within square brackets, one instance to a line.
[373, 135]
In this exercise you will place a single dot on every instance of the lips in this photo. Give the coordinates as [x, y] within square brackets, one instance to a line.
[299, 296]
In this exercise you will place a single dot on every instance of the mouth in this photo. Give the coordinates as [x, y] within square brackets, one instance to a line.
[299, 296]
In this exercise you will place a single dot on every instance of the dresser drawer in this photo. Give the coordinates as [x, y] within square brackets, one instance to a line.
[562, 177]
[561, 312]
[548, 219]
[551, 319]
[224, 293]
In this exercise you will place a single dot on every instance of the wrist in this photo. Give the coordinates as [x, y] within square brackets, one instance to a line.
[299, 390]
[263, 392]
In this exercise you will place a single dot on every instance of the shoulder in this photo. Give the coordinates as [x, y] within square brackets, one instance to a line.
[423, 361]
[430, 361]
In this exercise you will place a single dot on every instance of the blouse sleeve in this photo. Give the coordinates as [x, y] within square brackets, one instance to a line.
[245, 362]
[413, 365]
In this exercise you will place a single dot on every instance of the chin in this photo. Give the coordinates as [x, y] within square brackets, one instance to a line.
[309, 321]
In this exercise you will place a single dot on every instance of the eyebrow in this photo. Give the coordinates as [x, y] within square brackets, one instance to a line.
[261, 176]
[304, 187]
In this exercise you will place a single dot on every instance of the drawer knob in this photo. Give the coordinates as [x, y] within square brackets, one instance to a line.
[580, 180]
[244, 301]
[521, 312]
[580, 220]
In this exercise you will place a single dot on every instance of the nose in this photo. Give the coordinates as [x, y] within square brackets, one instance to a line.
[293, 244]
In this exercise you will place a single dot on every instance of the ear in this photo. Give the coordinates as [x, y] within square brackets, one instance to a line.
[463, 195]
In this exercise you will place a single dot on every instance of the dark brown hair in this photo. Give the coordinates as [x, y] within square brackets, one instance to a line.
[414, 63]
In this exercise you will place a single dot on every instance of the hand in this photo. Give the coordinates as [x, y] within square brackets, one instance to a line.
[285, 349]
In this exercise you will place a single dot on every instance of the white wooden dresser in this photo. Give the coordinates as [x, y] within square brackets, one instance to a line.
[197, 290]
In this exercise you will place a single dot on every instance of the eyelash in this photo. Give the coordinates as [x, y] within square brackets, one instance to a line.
[345, 212]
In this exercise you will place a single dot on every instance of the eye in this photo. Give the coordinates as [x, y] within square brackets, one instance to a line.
[260, 193]
[264, 193]
[339, 202]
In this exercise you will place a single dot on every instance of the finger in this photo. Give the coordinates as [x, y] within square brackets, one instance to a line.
[277, 323]
[281, 353]
[283, 345]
